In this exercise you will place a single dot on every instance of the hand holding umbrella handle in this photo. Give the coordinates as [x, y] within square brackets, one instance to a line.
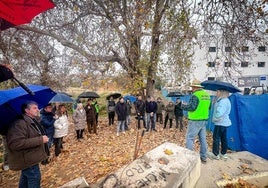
[24, 86]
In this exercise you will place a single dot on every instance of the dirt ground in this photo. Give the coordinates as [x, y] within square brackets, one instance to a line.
[98, 155]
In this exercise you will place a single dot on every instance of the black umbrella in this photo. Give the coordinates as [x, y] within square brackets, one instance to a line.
[175, 94]
[88, 94]
[215, 85]
[114, 95]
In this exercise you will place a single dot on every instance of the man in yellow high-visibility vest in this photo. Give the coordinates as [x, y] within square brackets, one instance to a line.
[198, 114]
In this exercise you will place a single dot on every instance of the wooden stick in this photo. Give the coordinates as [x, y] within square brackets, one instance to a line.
[138, 148]
[136, 145]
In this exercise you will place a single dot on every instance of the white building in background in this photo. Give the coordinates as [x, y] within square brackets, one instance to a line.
[247, 70]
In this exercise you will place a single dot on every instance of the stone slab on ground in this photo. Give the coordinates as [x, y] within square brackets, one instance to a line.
[167, 165]
[76, 183]
[249, 166]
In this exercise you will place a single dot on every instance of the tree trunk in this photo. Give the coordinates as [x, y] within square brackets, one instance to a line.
[155, 47]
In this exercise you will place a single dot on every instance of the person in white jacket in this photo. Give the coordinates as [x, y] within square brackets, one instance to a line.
[61, 128]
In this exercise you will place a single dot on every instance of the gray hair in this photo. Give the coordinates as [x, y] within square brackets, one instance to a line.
[27, 105]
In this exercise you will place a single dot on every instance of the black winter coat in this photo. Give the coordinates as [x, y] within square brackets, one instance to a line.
[121, 111]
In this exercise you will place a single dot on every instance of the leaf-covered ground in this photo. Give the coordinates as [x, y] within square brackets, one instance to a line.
[98, 155]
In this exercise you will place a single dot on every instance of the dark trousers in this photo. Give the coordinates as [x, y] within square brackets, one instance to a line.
[166, 120]
[179, 119]
[159, 117]
[97, 118]
[91, 125]
[79, 133]
[30, 177]
[111, 117]
[219, 136]
[141, 118]
[58, 145]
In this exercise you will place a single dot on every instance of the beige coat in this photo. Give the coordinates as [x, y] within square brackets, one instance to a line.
[80, 119]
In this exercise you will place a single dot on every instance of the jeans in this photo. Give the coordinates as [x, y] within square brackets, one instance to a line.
[51, 140]
[30, 177]
[151, 121]
[121, 126]
[127, 122]
[197, 128]
[147, 120]
[219, 135]
[179, 119]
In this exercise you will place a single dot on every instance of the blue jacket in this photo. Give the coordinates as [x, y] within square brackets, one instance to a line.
[151, 107]
[221, 112]
[47, 121]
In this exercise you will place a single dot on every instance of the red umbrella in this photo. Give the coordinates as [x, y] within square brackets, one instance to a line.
[17, 12]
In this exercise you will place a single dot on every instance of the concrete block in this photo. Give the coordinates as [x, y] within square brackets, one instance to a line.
[168, 165]
[240, 165]
[76, 183]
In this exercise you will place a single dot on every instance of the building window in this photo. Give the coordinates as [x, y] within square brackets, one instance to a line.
[244, 64]
[261, 64]
[212, 49]
[211, 78]
[228, 49]
[227, 64]
[261, 48]
[245, 49]
[211, 64]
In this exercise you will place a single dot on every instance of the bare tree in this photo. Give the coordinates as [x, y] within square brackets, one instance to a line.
[144, 37]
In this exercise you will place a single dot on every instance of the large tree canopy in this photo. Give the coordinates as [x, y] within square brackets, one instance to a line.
[141, 41]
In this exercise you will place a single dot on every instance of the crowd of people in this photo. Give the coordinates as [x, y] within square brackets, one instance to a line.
[30, 138]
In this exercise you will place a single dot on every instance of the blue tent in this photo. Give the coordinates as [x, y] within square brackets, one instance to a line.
[131, 98]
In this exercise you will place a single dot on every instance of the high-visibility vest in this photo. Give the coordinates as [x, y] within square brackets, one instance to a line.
[202, 110]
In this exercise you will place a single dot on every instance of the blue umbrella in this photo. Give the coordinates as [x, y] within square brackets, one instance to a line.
[215, 85]
[12, 99]
[131, 98]
[62, 98]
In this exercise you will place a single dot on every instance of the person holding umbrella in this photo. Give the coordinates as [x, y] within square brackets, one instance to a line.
[111, 110]
[222, 121]
[91, 116]
[198, 114]
[27, 145]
